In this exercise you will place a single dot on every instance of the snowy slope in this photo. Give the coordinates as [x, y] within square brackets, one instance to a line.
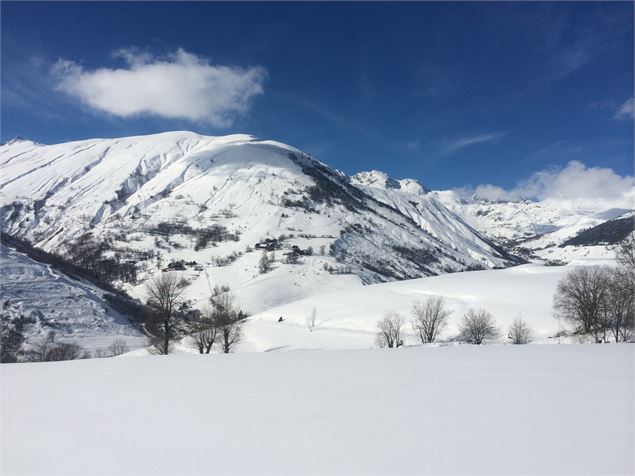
[478, 410]
[348, 318]
[118, 193]
[75, 310]
[424, 207]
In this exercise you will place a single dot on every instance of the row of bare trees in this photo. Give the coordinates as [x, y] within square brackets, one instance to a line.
[220, 321]
[430, 317]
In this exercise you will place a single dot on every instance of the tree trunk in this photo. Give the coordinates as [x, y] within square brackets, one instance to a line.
[166, 337]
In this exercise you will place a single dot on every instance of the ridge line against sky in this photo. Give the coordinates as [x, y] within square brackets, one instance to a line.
[449, 94]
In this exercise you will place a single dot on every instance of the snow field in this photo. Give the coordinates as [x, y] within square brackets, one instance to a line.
[493, 409]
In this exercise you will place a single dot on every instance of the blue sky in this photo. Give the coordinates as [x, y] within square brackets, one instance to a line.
[453, 94]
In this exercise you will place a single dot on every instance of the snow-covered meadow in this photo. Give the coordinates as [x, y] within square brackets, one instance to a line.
[468, 409]
[347, 319]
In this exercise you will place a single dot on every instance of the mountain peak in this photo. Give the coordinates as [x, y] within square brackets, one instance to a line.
[374, 178]
[413, 186]
[17, 139]
[377, 179]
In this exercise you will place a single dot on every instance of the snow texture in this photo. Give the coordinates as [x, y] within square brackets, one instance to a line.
[494, 409]
[75, 310]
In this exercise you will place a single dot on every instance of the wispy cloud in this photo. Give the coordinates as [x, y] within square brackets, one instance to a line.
[559, 149]
[411, 145]
[180, 85]
[467, 141]
[327, 114]
[626, 110]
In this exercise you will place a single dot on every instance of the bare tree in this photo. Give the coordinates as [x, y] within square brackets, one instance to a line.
[228, 318]
[621, 299]
[477, 326]
[205, 330]
[265, 263]
[580, 299]
[520, 332]
[625, 252]
[310, 319]
[165, 299]
[389, 331]
[429, 318]
[118, 347]
[620, 303]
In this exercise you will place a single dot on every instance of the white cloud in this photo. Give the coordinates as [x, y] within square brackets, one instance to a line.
[574, 181]
[626, 110]
[178, 86]
[462, 142]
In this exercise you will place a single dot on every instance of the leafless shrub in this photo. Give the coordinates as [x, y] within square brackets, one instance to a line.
[66, 351]
[118, 347]
[520, 332]
[429, 318]
[477, 326]
[389, 331]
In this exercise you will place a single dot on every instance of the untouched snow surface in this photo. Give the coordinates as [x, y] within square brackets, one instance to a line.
[492, 409]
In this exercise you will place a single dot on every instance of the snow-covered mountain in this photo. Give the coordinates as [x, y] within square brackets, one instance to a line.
[147, 201]
[541, 229]
[200, 205]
